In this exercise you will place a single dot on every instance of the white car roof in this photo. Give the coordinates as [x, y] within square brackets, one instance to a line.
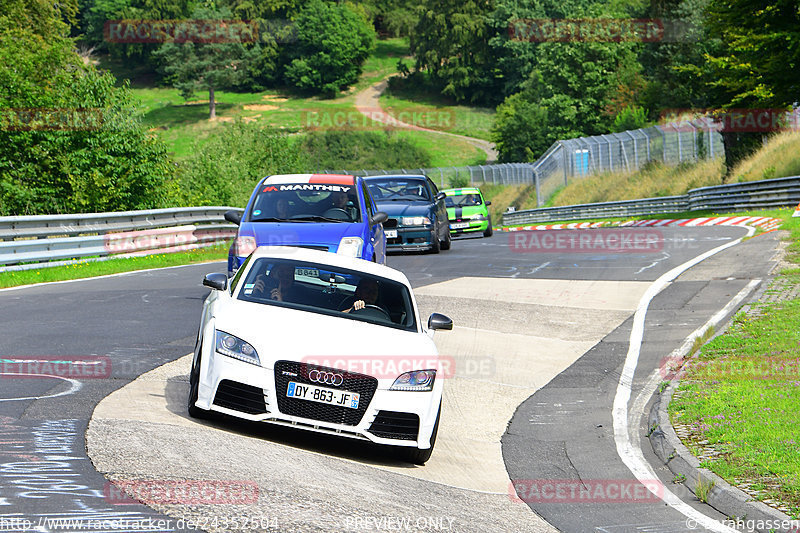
[331, 259]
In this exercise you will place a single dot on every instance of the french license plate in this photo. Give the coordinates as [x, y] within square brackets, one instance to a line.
[310, 272]
[459, 225]
[391, 233]
[324, 395]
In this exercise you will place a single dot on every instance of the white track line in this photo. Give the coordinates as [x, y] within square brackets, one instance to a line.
[74, 387]
[629, 452]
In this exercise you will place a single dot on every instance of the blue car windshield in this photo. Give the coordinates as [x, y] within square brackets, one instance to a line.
[399, 189]
[463, 200]
[330, 291]
[283, 204]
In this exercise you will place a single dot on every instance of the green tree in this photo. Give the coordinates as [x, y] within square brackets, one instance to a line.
[391, 17]
[755, 65]
[95, 14]
[630, 118]
[45, 18]
[674, 68]
[224, 169]
[208, 66]
[526, 124]
[71, 141]
[758, 64]
[451, 41]
[343, 149]
[333, 41]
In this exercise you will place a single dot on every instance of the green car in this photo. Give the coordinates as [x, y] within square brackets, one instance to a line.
[466, 210]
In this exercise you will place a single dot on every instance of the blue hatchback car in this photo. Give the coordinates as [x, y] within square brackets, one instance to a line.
[329, 212]
[416, 210]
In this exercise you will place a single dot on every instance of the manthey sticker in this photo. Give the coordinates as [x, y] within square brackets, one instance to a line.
[315, 187]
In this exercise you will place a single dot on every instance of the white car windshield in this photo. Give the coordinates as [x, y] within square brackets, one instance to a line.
[329, 290]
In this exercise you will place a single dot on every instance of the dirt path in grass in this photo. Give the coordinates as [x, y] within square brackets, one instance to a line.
[368, 104]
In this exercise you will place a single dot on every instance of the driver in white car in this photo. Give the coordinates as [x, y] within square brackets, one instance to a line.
[366, 294]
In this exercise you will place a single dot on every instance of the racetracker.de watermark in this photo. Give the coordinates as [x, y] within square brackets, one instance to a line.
[617, 241]
[51, 119]
[371, 118]
[761, 120]
[586, 491]
[732, 368]
[70, 367]
[392, 366]
[600, 30]
[181, 492]
[198, 31]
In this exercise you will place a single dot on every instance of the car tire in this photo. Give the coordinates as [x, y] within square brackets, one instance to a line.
[194, 388]
[420, 457]
[447, 241]
[435, 244]
[488, 231]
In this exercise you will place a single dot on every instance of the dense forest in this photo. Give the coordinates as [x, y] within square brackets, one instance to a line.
[71, 142]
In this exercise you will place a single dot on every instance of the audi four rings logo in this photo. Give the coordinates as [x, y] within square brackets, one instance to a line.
[328, 378]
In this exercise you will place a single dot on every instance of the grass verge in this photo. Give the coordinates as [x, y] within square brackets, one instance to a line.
[741, 394]
[89, 269]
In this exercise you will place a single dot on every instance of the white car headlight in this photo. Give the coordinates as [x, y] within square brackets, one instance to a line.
[416, 380]
[415, 221]
[350, 246]
[235, 347]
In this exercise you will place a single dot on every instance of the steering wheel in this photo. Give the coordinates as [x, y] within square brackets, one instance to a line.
[336, 213]
[375, 311]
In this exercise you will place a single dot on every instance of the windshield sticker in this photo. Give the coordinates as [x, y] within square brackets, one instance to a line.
[306, 187]
[257, 212]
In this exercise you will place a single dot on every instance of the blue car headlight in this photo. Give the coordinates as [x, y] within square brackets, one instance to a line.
[350, 246]
[416, 381]
[235, 347]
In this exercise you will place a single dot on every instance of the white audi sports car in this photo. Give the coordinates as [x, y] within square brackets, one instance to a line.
[321, 342]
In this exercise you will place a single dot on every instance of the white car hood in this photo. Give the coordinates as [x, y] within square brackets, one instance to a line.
[278, 333]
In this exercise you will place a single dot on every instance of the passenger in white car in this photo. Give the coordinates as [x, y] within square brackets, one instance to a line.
[278, 285]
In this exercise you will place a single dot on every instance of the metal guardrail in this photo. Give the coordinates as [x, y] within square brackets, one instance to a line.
[764, 194]
[48, 240]
[647, 206]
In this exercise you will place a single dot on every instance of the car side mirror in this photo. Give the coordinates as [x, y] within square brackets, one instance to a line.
[439, 321]
[216, 280]
[488, 202]
[440, 196]
[378, 218]
[233, 216]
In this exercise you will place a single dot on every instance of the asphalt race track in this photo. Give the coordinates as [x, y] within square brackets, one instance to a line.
[542, 334]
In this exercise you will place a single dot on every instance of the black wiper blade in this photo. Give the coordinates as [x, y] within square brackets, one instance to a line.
[270, 219]
[317, 218]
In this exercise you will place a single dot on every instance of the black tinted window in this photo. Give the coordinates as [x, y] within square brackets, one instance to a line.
[329, 290]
